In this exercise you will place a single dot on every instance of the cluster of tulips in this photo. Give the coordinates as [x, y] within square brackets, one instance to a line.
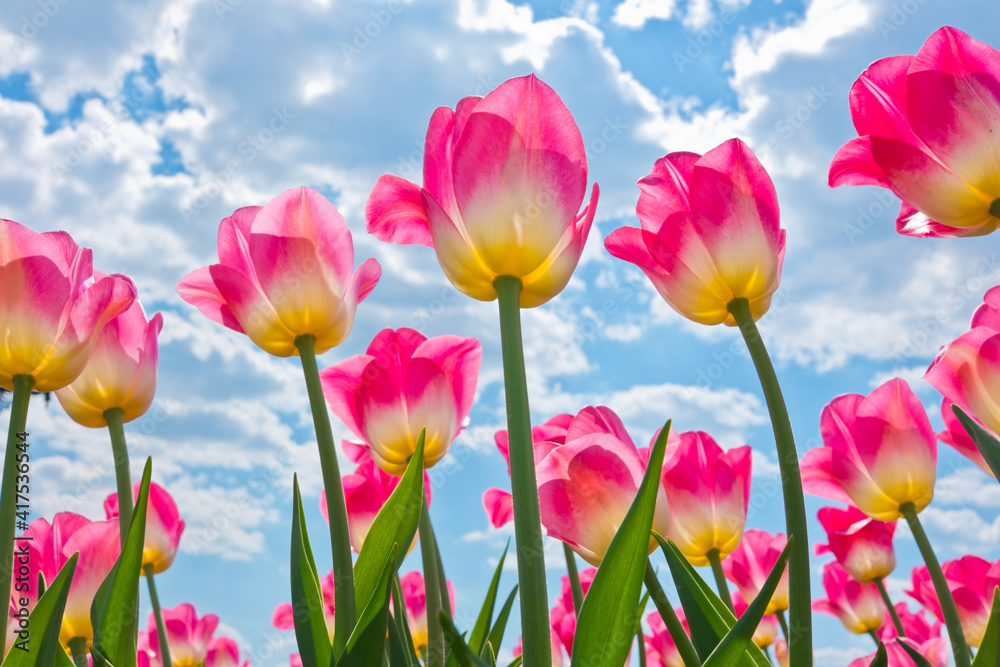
[504, 180]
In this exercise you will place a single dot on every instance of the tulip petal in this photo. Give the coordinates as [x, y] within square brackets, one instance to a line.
[951, 50]
[854, 165]
[879, 97]
[665, 190]
[395, 212]
[199, 289]
[499, 506]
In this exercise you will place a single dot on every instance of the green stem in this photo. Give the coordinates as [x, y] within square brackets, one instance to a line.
[800, 650]
[161, 627]
[78, 647]
[527, 520]
[720, 579]
[434, 655]
[343, 566]
[16, 435]
[874, 636]
[574, 579]
[995, 208]
[948, 609]
[783, 622]
[642, 648]
[674, 626]
[122, 474]
[898, 624]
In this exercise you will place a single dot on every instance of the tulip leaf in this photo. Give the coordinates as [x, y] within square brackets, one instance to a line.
[707, 615]
[496, 632]
[459, 649]
[478, 636]
[608, 612]
[986, 442]
[115, 606]
[308, 606]
[516, 663]
[369, 636]
[396, 523]
[988, 654]
[734, 645]
[42, 648]
[881, 658]
[918, 660]
[409, 653]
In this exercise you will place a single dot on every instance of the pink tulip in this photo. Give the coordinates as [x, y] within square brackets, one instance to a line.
[661, 650]
[366, 490]
[284, 271]
[164, 526]
[587, 485]
[405, 382]
[916, 626]
[987, 314]
[707, 491]
[971, 580]
[52, 545]
[504, 177]
[499, 506]
[54, 306]
[858, 606]
[752, 561]
[557, 654]
[709, 233]
[767, 629]
[862, 545]
[224, 652]
[415, 601]
[562, 617]
[880, 452]
[188, 637]
[781, 653]
[926, 131]
[283, 617]
[936, 652]
[121, 372]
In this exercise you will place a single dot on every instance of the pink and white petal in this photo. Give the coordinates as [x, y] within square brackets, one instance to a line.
[360, 286]
[951, 50]
[340, 384]
[395, 212]
[665, 190]
[818, 478]
[459, 359]
[878, 100]
[254, 312]
[599, 419]
[430, 404]
[233, 240]
[198, 288]
[459, 260]
[911, 222]
[854, 165]
[499, 506]
[987, 314]
[439, 146]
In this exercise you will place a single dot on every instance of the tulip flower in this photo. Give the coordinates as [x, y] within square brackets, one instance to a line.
[283, 617]
[707, 490]
[752, 561]
[224, 652]
[54, 306]
[504, 178]
[926, 127]
[557, 654]
[861, 544]
[51, 545]
[586, 486]
[284, 271]
[366, 490]
[935, 651]
[709, 233]
[403, 383]
[858, 606]
[415, 602]
[188, 637]
[164, 527]
[781, 652]
[918, 627]
[880, 452]
[562, 617]
[661, 650]
[971, 580]
[767, 629]
[121, 372]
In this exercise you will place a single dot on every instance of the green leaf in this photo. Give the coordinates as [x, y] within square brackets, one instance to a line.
[988, 654]
[42, 647]
[409, 653]
[516, 663]
[478, 636]
[707, 615]
[459, 649]
[918, 659]
[396, 523]
[496, 633]
[734, 645]
[607, 618]
[881, 658]
[987, 443]
[369, 636]
[308, 606]
[118, 615]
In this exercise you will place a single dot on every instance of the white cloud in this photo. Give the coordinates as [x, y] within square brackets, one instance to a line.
[964, 531]
[636, 13]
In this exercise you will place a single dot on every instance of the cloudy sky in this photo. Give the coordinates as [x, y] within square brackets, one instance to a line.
[138, 126]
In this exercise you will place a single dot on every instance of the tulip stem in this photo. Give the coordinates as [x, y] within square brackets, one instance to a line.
[893, 614]
[435, 653]
[574, 579]
[874, 636]
[161, 627]
[123, 476]
[642, 647]
[799, 594]
[524, 487]
[783, 622]
[336, 506]
[17, 445]
[674, 626]
[948, 609]
[78, 647]
[720, 579]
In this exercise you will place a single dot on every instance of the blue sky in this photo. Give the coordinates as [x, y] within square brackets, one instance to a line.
[138, 126]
